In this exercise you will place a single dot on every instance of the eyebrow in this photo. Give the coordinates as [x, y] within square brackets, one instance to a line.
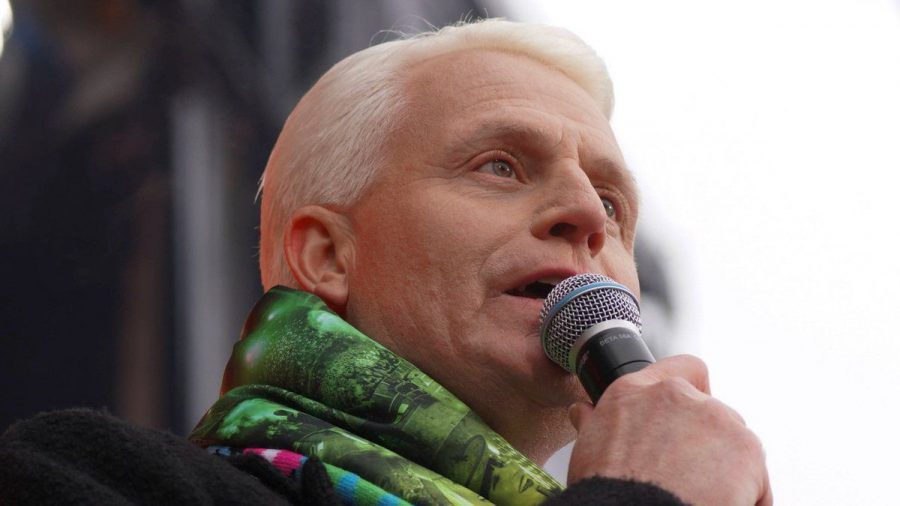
[490, 131]
[621, 176]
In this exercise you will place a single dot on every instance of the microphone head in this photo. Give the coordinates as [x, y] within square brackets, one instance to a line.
[578, 303]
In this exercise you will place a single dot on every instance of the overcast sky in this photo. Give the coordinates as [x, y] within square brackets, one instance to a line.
[765, 137]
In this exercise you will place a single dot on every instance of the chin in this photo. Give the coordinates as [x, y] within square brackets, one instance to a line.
[553, 386]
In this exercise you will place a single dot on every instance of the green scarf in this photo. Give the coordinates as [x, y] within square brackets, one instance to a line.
[303, 379]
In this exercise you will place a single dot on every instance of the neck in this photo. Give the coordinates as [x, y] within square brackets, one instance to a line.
[539, 439]
[536, 431]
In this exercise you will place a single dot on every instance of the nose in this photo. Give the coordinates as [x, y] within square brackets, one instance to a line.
[573, 212]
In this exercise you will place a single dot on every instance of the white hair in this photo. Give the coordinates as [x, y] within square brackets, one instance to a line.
[333, 142]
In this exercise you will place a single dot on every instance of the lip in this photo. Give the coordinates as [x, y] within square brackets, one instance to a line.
[529, 307]
[532, 276]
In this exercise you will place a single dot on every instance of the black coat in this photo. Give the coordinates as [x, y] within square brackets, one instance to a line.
[87, 457]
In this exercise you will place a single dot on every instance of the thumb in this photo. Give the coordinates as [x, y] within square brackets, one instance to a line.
[578, 413]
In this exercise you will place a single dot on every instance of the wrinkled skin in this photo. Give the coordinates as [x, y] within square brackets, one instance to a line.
[661, 425]
[444, 232]
[503, 172]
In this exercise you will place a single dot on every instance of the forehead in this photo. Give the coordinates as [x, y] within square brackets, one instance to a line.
[458, 103]
[476, 93]
[463, 78]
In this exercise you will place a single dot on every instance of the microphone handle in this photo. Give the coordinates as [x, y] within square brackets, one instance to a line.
[607, 354]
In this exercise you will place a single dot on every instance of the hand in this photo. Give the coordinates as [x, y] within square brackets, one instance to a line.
[660, 425]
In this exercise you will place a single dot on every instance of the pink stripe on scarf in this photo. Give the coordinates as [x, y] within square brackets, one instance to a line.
[286, 461]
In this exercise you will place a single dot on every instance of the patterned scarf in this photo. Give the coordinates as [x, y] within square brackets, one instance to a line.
[302, 379]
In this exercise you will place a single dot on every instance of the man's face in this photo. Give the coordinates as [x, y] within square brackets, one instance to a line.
[504, 175]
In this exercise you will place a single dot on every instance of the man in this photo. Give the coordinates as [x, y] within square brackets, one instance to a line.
[421, 200]
[429, 191]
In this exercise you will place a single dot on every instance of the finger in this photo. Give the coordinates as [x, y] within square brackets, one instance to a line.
[687, 367]
[728, 410]
[578, 413]
[766, 499]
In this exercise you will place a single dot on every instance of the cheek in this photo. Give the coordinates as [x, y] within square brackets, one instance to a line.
[431, 234]
[390, 244]
[411, 254]
[621, 266]
[422, 255]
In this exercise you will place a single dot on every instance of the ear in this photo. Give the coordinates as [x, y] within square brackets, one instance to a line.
[318, 247]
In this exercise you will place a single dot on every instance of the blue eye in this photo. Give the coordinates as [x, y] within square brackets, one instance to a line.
[498, 168]
[610, 207]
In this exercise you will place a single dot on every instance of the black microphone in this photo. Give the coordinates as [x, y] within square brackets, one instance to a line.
[591, 326]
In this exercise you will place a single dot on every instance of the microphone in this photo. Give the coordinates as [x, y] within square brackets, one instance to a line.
[591, 326]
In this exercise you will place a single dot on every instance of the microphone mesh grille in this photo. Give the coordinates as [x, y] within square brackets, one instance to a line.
[583, 311]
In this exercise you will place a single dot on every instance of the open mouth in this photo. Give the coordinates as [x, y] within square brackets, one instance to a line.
[535, 290]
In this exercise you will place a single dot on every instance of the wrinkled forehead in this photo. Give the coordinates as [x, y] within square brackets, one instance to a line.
[471, 101]
[458, 80]
[476, 94]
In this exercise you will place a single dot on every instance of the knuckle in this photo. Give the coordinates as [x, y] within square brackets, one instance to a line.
[751, 446]
[676, 388]
[699, 366]
[698, 369]
[720, 415]
[693, 362]
[743, 441]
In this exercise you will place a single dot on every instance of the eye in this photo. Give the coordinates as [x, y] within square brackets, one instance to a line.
[498, 168]
[610, 207]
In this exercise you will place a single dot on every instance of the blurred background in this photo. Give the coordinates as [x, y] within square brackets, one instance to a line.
[764, 137]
